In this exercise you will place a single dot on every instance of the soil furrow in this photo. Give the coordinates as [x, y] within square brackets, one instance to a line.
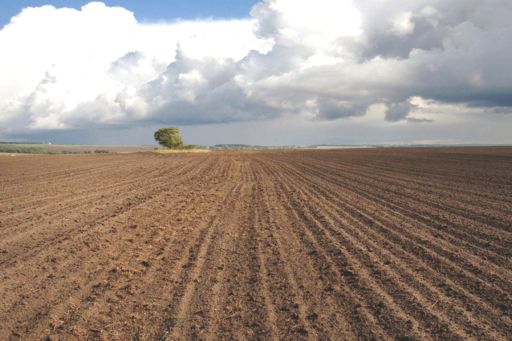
[353, 244]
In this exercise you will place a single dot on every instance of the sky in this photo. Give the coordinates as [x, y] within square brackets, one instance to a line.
[145, 11]
[273, 72]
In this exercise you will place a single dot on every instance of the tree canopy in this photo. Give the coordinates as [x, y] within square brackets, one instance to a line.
[169, 137]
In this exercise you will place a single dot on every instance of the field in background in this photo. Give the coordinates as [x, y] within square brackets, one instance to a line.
[392, 244]
[40, 148]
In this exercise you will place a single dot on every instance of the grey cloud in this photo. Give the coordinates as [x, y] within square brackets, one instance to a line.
[398, 111]
[329, 109]
[194, 92]
[425, 36]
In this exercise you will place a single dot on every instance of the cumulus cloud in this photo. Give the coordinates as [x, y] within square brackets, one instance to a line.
[64, 68]
[321, 60]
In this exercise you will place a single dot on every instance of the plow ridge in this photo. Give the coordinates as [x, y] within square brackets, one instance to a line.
[391, 244]
[363, 220]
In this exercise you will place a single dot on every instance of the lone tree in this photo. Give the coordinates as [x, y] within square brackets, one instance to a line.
[169, 137]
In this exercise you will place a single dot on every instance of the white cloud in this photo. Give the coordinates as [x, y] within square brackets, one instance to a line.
[65, 68]
[317, 61]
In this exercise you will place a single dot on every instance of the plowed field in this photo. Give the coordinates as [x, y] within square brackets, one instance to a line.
[393, 244]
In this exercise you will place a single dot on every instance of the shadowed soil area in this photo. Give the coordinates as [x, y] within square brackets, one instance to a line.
[367, 244]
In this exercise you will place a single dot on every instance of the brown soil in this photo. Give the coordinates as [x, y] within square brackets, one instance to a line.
[393, 244]
[90, 148]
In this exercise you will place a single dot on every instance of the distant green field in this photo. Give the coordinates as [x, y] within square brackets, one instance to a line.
[22, 148]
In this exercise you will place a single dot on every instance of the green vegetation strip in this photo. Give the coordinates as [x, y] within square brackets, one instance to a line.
[36, 149]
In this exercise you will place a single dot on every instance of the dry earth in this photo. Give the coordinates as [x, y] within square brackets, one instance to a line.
[392, 244]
